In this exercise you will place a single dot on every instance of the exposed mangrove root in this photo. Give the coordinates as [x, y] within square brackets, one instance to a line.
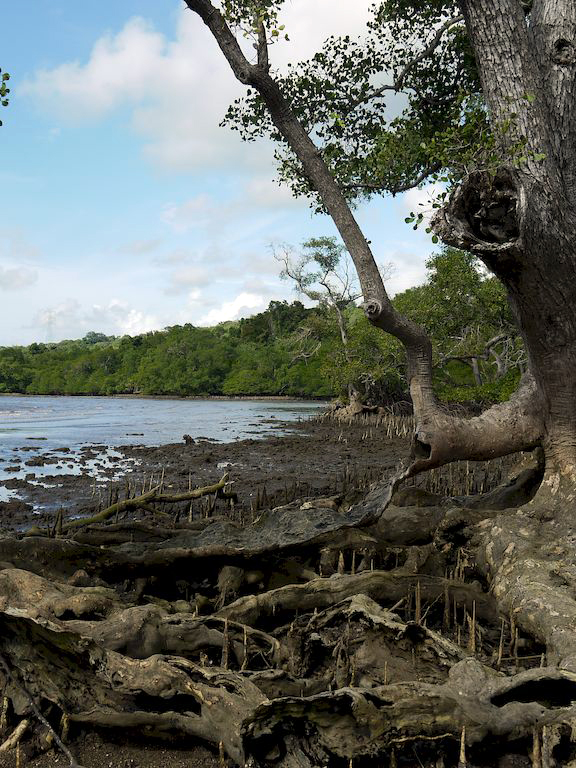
[383, 586]
[354, 723]
[532, 567]
[325, 631]
[15, 736]
[52, 735]
[102, 688]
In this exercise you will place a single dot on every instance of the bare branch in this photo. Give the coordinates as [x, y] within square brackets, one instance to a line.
[428, 51]
[398, 83]
[495, 340]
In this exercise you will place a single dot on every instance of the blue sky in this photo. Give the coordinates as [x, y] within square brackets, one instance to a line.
[125, 208]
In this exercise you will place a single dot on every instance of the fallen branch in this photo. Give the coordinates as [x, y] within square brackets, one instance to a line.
[155, 494]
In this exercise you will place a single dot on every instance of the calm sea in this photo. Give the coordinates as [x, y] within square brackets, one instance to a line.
[73, 421]
[31, 426]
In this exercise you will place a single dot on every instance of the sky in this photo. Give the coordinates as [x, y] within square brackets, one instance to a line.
[125, 208]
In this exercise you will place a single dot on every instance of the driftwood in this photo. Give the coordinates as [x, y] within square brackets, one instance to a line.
[143, 501]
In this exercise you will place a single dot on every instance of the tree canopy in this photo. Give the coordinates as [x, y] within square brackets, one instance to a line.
[347, 97]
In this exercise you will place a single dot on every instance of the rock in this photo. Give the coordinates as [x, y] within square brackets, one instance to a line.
[415, 497]
[14, 507]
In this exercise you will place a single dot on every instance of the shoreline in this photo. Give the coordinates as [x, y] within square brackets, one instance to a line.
[257, 398]
[311, 459]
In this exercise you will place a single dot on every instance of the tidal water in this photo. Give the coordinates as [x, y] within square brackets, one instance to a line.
[63, 426]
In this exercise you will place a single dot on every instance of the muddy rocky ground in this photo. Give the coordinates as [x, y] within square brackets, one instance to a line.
[314, 459]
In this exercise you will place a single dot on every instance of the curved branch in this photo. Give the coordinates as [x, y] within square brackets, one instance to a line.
[440, 438]
[398, 188]
[515, 425]
[428, 51]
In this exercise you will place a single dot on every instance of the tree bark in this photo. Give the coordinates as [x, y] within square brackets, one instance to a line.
[522, 221]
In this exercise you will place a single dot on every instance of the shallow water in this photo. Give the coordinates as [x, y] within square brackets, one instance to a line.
[60, 428]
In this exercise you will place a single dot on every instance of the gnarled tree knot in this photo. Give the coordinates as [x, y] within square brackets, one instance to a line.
[372, 309]
[564, 52]
[482, 214]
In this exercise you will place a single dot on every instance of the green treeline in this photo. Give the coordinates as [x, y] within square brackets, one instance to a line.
[295, 351]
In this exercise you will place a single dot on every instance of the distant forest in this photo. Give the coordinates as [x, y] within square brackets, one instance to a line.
[295, 351]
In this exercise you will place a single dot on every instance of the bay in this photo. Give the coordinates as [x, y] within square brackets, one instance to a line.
[61, 427]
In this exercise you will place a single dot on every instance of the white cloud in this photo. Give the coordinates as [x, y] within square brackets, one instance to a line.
[197, 212]
[139, 247]
[177, 256]
[134, 322]
[309, 24]
[263, 192]
[15, 247]
[116, 317]
[17, 278]
[119, 70]
[408, 270]
[178, 89]
[189, 278]
[59, 316]
[232, 310]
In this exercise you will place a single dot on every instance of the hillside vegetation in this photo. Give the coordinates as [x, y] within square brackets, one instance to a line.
[294, 351]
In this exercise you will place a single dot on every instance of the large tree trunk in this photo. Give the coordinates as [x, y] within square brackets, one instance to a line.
[521, 221]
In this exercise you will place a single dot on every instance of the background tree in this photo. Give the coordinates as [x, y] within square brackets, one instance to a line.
[4, 90]
[323, 273]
